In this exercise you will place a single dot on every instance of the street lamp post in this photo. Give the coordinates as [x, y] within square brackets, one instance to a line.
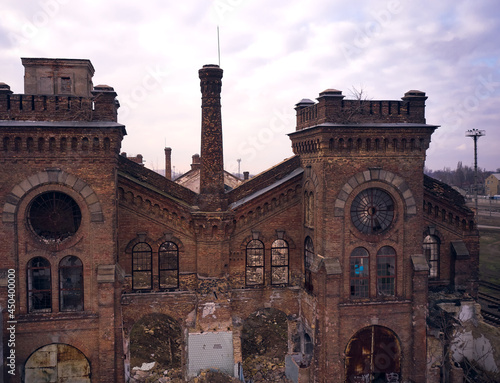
[475, 134]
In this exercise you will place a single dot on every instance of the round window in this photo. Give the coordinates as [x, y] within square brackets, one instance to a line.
[372, 211]
[54, 216]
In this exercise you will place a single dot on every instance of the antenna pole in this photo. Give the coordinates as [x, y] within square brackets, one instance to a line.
[218, 44]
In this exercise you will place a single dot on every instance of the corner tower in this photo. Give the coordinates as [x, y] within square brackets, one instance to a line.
[363, 198]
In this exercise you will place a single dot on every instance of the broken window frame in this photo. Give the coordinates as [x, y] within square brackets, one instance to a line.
[39, 285]
[359, 273]
[71, 290]
[308, 260]
[279, 261]
[167, 253]
[386, 271]
[432, 249]
[142, 266]
[255, 262]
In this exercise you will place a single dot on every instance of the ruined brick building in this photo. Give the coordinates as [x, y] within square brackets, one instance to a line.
[342, 240]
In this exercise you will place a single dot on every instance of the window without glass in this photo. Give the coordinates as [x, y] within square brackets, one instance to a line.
[71, 284]
[168, 257]
[372, 211]
[359, 273]
[279, 262]
[54, 216]
[386, 271]
[255, 263]
[65, 85]
[431, 251]
[39, 286]
[142, 272]
[308, 260]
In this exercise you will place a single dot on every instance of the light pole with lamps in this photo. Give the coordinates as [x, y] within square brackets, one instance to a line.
[475, 134]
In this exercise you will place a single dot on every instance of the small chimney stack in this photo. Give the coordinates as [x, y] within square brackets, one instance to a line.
[246, 176]
[195, 164]
[168, 163]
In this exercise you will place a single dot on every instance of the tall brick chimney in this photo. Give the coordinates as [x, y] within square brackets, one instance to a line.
[168, 163]
[212, 163]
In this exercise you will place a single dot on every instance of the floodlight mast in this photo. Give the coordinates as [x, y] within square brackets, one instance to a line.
[475, 134]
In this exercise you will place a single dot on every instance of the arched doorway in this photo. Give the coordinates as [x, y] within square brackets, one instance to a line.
[57, 363]
[156, 338]
[373, 354]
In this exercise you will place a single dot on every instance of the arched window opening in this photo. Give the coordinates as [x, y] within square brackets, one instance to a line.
[142, 272]
[39, 286]
[359, 273]
[168, 257]
[279, 262]
[85, 144]
[6, 144]
[309, 209]
[386, 271]
[431, 251]
[41, 144]
[52, 144]
[308, 261]
[63, 144]
[71, 284]
[54, 216]
[30, 144]
[17, 144]
[59, 363]
[254, 263]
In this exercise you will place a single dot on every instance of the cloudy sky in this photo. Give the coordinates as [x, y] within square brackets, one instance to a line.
[273, 54]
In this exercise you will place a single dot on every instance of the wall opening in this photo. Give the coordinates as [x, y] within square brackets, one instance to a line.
[58, 363]
[264, 337]
[156, 338]
[373, 354]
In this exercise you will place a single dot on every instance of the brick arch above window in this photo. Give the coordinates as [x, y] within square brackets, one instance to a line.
[169, 237]
[52, 176]
[376, 174]
[140, 238]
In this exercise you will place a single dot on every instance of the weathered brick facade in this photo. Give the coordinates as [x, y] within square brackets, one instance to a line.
[288, 239]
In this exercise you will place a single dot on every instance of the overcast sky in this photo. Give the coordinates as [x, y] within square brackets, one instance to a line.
[274, 53]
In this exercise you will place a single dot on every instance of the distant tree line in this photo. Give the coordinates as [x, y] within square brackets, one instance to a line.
[462, 176]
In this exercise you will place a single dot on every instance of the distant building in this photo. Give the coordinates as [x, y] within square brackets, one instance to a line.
[116, 265]
[492, 185]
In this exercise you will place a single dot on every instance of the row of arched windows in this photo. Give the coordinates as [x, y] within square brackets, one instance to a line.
[377, 145]
[39, 285]
[448, 217]
[255, 263]
[142, 266]
[64, 144]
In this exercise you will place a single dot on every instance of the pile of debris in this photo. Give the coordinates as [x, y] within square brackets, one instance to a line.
[264, 369]
[152, 373]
